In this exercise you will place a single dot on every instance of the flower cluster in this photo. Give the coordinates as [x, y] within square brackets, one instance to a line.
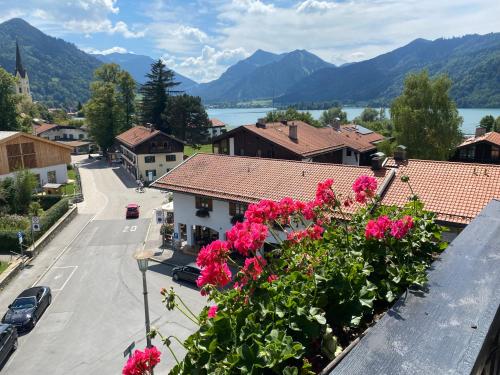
[247, 237]
[212, 311]
[314, 233]
[324, 192]
[216, 252]
[380, 227]
[217, 274]
[252, 269]
[142, 363]
[364, 187]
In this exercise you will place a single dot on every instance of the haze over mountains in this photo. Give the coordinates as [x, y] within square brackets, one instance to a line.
[60, 73]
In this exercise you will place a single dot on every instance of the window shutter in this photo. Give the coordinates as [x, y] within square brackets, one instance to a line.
[232, 208]
[209, 204]
[197, 202]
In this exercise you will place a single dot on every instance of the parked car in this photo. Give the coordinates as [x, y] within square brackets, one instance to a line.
[188, 273]
[8, 341]
[132, 211]
[28, 307]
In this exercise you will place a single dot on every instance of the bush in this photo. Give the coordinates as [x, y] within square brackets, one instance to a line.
[47, 201]
[294, 309]
[53, 214]
[13, 222]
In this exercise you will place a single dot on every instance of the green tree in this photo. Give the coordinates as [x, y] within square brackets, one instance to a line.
[8, 101]
[497, 124]
[487, 122]
[369, 115]
[187, 118]
[426, 120]
[155, 93]
[104, 111]
[126, 88]
[328, 117]
[17, 192]
[291, 114]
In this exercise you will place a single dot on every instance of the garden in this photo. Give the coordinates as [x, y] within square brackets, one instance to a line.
[295, 308]
[18, 204]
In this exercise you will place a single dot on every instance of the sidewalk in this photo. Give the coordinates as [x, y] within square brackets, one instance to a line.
[164, 254]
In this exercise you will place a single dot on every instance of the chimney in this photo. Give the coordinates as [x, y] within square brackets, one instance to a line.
[400, 153]
[261, 123]
[292, 131]
[480, 131]
[336, 124]
[378, 161]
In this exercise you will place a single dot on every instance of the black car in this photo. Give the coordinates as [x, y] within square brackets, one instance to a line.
[187, 273]
[28, 307]
[8, 341]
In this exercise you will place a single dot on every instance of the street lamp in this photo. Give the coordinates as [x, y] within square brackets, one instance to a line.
[142, 258]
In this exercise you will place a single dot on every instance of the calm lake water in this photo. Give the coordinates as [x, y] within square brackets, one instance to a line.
[243, 116]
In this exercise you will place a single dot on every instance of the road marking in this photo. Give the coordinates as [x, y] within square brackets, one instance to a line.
[69, 277]
[125, 230]
[133, 228]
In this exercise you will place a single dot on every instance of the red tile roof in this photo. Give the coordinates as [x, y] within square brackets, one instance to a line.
[491, 137]
[456, 192]
[216, 123]
[136, 135]
[39, 129]
[248, 179]
[357, 140]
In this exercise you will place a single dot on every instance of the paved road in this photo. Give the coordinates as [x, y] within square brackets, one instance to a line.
[97, 308]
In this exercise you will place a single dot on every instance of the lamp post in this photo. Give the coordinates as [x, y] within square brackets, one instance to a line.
[142, 258]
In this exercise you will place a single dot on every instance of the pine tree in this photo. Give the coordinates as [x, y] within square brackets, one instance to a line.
[155, 93]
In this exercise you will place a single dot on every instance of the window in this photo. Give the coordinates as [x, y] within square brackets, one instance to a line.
[495, 152]
[203, 202]
[149, 159]
[80, 136]
[38, 180]
[237, 208]
[153, 144]
[71, 136]
[348, 152]
[150, 174]
[51, 177]
[170, 157]
[166, 145]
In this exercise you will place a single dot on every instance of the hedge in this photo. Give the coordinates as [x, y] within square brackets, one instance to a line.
[47, 201]
[8, 238]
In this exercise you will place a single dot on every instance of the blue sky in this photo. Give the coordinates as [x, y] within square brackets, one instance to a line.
[202, 38]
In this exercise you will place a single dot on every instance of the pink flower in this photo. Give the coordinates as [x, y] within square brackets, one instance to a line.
[247, 237]
[217, 274]
[384, 223]
[253, 267]
[216, 252]
[400, 228]
[315, 232]
[141, 363]
[308, 210]
[272, 278]
[263, 212]
[212, 311]
[408, 221]
[364, 187]
[377, 228]
[324, 192]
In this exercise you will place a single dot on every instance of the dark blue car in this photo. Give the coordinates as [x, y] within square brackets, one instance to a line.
[8, 341]
[28, 307]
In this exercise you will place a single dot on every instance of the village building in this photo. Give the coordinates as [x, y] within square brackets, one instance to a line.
[47, 160]
[297, 140]
[79, 147]
[208, 198]
[22, 85]
[217, 128]
[482, 148]
[148, 153]
[55, 132]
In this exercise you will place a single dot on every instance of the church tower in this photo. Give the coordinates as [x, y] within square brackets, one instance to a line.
[23, 83]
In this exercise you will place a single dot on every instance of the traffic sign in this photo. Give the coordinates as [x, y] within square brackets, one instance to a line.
[159, 216]
[35, 223]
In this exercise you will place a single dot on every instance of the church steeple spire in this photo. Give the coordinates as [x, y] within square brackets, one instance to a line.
[19, 64]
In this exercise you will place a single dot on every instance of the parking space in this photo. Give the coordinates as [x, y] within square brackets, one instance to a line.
[58, 277]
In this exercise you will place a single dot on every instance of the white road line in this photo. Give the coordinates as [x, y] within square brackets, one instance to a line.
[69, 277]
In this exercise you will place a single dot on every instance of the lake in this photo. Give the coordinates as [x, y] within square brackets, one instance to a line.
[243, 116]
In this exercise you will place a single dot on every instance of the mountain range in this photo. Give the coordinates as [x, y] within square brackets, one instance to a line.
[60, 73]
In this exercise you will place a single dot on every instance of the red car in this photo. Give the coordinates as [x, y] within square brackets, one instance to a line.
[132, 211]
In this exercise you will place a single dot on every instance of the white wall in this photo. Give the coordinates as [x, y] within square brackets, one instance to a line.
[231, 146]
[60, 169]
[58, 134]
[350, 160]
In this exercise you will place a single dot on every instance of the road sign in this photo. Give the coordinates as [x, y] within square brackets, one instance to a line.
[35, 223]
[128, 351]
[20, 237]
[176, 236]
[159, 216]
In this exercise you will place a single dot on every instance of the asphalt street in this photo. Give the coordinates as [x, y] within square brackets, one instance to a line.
[97, 309]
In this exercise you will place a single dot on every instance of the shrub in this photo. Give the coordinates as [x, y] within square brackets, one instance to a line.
[294, 309]
[13, 222]
[47, 201]
[53, 214]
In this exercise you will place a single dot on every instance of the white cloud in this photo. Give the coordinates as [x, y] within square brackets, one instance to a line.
[315, 5]
[207, 66]
[177, 38]
[102, 26]
[251, 6]
[108, 51]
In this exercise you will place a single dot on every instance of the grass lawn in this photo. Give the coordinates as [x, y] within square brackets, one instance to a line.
[69, 189]
[3, 266]
[189, 150]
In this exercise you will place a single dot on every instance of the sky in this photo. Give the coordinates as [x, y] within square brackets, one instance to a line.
[201, 38]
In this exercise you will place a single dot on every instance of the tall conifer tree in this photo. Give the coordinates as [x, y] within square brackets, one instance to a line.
[155, 93]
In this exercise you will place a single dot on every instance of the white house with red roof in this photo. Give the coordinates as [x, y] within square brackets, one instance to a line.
[218, 127]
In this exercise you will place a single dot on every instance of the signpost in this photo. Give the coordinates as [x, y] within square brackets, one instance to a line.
[128, 351]
[159, 216]
[35, 224]
[20, 238]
